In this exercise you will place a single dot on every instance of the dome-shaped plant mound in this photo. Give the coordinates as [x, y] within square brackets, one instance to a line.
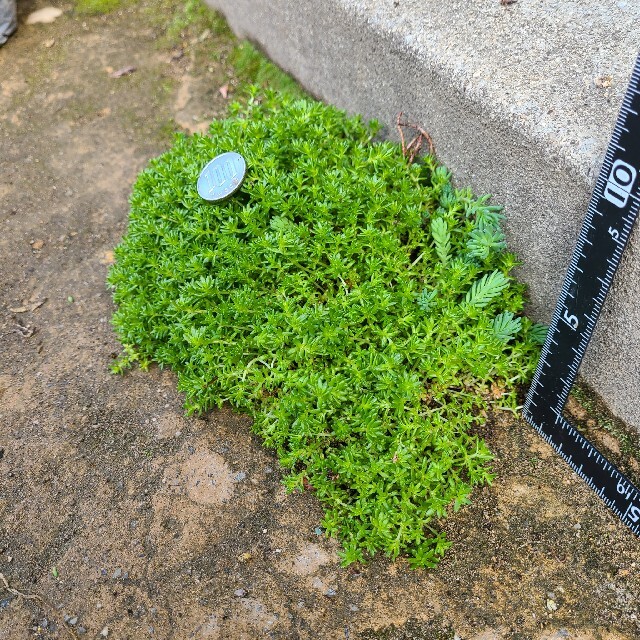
[357, 306]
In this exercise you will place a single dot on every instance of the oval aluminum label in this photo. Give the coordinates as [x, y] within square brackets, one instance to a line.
[222, 176]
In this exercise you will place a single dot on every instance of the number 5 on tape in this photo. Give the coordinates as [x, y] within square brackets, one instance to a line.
[612, 212]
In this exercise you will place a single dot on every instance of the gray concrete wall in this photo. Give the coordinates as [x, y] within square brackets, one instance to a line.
[520, 102]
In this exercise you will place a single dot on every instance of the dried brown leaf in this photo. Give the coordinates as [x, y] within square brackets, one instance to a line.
[125, 71]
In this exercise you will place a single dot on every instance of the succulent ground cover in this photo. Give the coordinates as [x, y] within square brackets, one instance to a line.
[358, 306]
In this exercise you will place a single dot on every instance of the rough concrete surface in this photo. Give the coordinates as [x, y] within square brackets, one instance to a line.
[520, 101]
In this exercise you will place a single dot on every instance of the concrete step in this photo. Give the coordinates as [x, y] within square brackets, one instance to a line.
[520, 101]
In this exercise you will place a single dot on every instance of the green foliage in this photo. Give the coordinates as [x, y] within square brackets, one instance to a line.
[426, 298]
[506, 326]
[539, 332]
[484, 240]
[96, 7]
[186, 22]
[486, 289]
[441, 238]
[253, 68]
[318, 300]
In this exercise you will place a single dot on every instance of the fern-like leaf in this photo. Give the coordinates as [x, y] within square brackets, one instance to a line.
[442, 238]
[484, 290]
[506, 326]
[538, 332]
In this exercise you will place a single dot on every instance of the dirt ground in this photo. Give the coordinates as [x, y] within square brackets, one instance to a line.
[120, 517]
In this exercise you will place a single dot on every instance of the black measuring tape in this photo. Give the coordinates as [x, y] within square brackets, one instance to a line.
[612, 211]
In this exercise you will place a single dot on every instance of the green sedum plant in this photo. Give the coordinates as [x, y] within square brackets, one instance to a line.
[359, 307]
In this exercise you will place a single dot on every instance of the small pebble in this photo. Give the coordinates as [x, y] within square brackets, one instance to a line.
[240, 476]
[331, 593]
[73, 621]
[105, 632]
[552, 605]
[44, 623]
[117, 573]
[81, 631]
[240, 593]
[354, 608]
[317, 531]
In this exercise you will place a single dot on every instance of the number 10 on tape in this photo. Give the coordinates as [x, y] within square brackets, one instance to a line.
[612, 211]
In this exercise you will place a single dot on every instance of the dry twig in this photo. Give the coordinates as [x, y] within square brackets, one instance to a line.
[27, 596]
[411, 150]
[15, 592]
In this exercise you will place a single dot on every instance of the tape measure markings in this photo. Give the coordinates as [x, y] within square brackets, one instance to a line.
[611, 213]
